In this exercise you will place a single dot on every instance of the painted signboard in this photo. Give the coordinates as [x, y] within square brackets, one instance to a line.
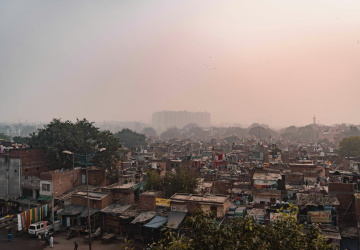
[162, 202]
[320, 217]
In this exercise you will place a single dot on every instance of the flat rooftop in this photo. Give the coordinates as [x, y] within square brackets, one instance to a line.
[267, 176]
[92, 196]
[200, 198]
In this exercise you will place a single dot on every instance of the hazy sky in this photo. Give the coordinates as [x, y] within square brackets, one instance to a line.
[275, 62]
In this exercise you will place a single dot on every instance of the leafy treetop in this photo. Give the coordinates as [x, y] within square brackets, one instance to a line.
[245, 233]
[350, 147]
[80, 137]
[130, 138]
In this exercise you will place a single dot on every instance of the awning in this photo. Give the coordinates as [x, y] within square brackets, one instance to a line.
[115, 209]
[85, 213]
[27, 201]
[44, 197]
[71, 210]
[175, 219]
[156, 222]
[143, 217]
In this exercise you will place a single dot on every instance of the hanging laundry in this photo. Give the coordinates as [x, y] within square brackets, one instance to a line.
[19, 222]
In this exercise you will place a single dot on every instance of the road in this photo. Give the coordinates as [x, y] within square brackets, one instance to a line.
[24, 242]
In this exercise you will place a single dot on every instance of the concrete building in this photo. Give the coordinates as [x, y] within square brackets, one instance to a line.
[219, 204]
[20, 172]
[10, 177]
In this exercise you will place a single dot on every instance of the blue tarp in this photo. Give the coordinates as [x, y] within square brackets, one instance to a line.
[156, 222]
[176, 218]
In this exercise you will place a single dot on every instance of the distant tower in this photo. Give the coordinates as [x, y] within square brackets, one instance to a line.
[314, 119]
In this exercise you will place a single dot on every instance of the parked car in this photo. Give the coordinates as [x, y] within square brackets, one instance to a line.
[38, 227]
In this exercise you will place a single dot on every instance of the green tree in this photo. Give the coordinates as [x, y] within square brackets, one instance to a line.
[149, 131]
[80, 137]
[245, 233]
[350, 147]
[259, 132]
[181, 180]
[237, 131]
[21, 140]
[170, 133]
[306, 133]
[153, 181]
[290, 133]
[4, 137]
[197, 133]
[130, 138]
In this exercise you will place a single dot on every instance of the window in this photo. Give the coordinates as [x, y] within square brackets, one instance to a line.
[45, 187]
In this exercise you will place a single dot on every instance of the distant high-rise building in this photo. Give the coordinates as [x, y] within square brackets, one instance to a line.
[314, 119]
[167, 119]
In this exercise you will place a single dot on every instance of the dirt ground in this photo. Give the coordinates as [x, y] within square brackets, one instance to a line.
[24, 242]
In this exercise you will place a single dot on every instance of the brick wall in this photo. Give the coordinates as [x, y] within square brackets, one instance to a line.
[222, 187]
[357, 207]
[148, 201]
[345, 194]
[336, 188]
[82, 201]
[120, 196]
[294, 178]
[97, 177]
[62, 181]
[33, 161]
[301, 167]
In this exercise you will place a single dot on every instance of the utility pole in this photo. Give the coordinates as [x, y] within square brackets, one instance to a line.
[7, 177]
[52, 210]
[88, 200]
[86, 158]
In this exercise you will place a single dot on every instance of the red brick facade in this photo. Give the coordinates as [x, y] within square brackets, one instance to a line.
[82, 201]
[62, 181]
[33, 160]
[147, 200]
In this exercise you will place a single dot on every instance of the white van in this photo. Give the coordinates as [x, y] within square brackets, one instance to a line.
[36, 228]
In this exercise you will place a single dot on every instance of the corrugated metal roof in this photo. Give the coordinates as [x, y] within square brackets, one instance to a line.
[156, 222]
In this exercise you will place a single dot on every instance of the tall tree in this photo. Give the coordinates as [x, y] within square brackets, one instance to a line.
[259, 132]
[149, 131]
[170, 133]
[130, 138]
[237, 131]
[153, 181]
[5, 137]
[80, 138]
[350, 147]
[21, 140]
[182, 180]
